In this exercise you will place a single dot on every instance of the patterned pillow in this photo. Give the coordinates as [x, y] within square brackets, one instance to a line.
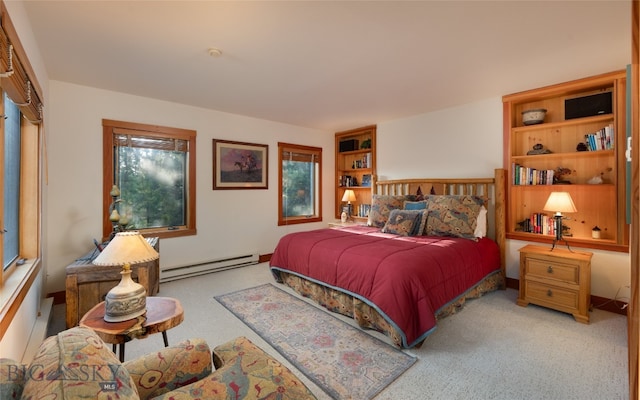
[381, 206]
[451, 215]
[406, 222]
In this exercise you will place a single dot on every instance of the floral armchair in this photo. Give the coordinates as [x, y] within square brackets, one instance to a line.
[77, 364]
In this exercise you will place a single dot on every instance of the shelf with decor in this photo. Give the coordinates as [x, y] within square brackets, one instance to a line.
[355, 170]
[575, 145]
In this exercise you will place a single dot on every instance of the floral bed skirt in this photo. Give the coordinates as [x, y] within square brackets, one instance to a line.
[365, 315]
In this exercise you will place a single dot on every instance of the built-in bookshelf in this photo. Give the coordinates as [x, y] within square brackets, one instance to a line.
[355, 170]
[580, 154]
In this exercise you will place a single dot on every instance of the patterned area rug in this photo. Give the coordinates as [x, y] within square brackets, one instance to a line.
[344, 361]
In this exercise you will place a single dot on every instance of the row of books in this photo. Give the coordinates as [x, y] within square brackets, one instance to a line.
[361, 211]
[531, 176]
[539, 223]
[600, 140]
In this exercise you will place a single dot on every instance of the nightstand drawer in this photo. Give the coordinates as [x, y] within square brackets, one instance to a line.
[552, 296]
[553, 270]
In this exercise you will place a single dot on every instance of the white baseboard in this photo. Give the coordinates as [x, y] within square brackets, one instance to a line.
[39, 331]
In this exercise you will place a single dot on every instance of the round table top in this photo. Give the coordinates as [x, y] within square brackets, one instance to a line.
[163, 313]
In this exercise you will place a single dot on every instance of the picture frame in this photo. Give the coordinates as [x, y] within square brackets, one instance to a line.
[240, 165]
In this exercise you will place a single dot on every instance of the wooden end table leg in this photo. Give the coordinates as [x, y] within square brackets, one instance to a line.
[164, 337]
[122, 352]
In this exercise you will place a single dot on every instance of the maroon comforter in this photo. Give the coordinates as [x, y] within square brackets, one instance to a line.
[407, 279]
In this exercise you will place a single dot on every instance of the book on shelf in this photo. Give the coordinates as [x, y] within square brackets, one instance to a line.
[603, 139]
[366, 180]
[531, 176]
[363, 210]
[539, 223]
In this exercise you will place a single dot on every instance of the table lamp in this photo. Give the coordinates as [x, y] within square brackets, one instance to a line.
[128, 299]
[349, 196]
[559, 202]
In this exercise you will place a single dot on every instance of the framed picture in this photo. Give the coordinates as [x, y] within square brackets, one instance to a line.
[238, 165]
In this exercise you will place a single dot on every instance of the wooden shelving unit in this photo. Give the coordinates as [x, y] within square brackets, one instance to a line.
[601, 204]
[355, 169]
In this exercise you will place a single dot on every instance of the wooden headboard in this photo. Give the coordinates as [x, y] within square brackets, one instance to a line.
[492, 190]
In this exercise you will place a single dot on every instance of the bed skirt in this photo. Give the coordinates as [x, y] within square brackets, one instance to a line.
[365, 315]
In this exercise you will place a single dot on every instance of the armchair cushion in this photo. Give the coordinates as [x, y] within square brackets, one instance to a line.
[76, 364]
[11, 379]
[244, 371]
[170, 368]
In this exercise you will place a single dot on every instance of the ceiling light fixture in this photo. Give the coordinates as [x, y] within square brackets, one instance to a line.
[213, 52]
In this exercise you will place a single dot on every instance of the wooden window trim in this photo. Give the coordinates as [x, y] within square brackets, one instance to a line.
[111, 127]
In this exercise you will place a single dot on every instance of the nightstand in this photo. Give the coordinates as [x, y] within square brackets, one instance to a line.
[558, 279]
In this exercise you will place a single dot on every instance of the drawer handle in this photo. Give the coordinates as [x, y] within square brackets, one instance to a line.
[549, 293]
[550, 269]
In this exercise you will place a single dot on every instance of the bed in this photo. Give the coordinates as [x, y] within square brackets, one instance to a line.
[423, 253]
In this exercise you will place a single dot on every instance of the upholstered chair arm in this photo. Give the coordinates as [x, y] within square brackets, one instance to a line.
[170, 368]
[244, 371]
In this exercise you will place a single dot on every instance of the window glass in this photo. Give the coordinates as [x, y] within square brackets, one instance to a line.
[151, 177]
[300, 168]
[11, 201]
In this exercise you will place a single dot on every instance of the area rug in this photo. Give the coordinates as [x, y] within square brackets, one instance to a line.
[344, 361]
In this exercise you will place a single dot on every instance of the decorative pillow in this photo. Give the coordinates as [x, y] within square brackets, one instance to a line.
[415, 205]
[481, 224]
[405, 222]
[381, 206]
[451, 215]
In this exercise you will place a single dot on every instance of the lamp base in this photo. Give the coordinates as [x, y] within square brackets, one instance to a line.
[558, 228]
[126, 301]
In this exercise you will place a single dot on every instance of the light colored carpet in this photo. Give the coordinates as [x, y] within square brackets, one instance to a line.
[492, 349]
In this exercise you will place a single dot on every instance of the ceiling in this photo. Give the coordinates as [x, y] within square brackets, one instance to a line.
[329, 65]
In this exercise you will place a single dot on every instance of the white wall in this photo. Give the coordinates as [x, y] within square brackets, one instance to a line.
[466, 141]
[229, 222]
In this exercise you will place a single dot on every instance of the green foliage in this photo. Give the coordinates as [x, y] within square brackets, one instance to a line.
[298, 180]
[152, 187]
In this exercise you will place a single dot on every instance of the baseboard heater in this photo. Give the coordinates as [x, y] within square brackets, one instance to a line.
[207, 267]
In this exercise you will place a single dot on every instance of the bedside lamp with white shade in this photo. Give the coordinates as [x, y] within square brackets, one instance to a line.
[559, 202]
[349, 196]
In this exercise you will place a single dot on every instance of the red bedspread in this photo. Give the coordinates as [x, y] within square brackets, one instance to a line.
[407, 279]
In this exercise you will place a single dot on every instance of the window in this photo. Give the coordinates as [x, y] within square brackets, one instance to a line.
[21, 152]
[299, 186]
[154, 170]
[11, 193]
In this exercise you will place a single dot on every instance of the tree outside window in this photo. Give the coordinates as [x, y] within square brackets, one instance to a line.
[299, 184]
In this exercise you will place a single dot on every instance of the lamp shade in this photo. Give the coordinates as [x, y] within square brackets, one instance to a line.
[128, 299]
[349, 196]
[126, 247]
[560, 202]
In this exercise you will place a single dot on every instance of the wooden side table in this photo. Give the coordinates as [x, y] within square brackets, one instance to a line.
[163, 313]
[558, 279]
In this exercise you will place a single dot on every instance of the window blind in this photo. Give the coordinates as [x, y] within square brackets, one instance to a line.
[16, 82]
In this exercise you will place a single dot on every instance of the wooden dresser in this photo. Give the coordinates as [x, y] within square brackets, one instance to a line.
[88, 284]
[558, 279]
